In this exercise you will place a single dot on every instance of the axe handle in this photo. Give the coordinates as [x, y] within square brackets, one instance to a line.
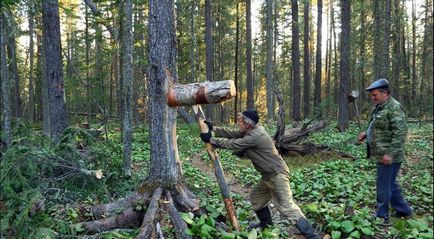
[218, 170]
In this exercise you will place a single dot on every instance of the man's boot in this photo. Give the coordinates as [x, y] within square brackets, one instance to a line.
[265, 218]
[306, 229]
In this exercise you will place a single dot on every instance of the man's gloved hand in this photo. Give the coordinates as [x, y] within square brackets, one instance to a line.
[209, 124]
[206, 136]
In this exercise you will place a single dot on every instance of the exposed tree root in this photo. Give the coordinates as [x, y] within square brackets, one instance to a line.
[105, 209]
[177, 221]
[148, 221]
[161, 202]
[127, 219]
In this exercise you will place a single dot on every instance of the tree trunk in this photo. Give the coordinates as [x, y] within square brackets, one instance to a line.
[193, 46]
[413, 55]
[306, 61]
[209, 51]
[6, 136]
[378, 43]
[396, 61]
[318, 64]
[343, 118]
[127, 93]
[296, 115]
[31, 112]
[237, 43]
[87, 62]
[386, 35]
[249, 76]
[13, 67]
[54, 68]
[139, 75]
[269, 66]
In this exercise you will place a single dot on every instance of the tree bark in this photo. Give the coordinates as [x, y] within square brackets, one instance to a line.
[200, 93]
[13, 66]
[343, 117]
[296, 115]
[54, 68]
[396, 61]
[413, 56]
[89, 86]
[162, 44]
[237, 40]
[209, 50]
[269, 65]
[31, 112]
[6, 136]
[306, 61]
[318, 63]
[127, 88]
[378, 43]
[249, 76]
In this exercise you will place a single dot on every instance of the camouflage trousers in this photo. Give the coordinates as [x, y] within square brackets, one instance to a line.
[279, 191]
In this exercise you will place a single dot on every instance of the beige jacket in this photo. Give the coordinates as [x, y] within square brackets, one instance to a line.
[257, 145]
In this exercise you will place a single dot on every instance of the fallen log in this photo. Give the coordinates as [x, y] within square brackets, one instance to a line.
[310, 148]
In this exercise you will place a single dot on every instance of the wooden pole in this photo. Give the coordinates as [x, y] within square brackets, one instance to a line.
[224, 188]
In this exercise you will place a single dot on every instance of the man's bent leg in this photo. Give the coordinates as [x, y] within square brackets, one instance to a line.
[259, 198]
[282, 198]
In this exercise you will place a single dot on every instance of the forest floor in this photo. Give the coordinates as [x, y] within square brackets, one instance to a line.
[44, 199]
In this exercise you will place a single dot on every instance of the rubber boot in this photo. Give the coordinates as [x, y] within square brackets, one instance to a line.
[265, 218]
[306, 229]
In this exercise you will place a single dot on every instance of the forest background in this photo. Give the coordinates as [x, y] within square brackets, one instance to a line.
[314, 53]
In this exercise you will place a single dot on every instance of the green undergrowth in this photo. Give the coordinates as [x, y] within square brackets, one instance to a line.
[41, 198]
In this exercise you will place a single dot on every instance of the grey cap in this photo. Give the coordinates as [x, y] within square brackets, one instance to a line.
[380, 83]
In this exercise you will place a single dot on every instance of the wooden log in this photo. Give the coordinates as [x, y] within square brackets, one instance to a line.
[104, 209]
[176, 219]
[297, 134]
[126, 219]
[200, 93]
[218, 170]
[148, 220]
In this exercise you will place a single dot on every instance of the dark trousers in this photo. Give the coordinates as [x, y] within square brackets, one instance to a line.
[388, 191]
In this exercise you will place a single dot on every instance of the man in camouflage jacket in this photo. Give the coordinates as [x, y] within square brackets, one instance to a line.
[385, 138]
[274, 185]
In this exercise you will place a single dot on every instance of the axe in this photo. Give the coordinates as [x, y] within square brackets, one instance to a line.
[218, 170]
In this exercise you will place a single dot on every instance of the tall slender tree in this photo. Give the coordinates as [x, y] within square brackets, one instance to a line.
[306, 61]
[295, 53]
[6, 135]
[54, 68]
[318, 64]
[127, 88]
[237, 44]
[209, 50]
[343, 118]
[31, 110]
[13, 65]
[269, 66]
[249, 76]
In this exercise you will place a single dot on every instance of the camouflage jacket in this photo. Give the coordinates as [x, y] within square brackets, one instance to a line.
[388, 131]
